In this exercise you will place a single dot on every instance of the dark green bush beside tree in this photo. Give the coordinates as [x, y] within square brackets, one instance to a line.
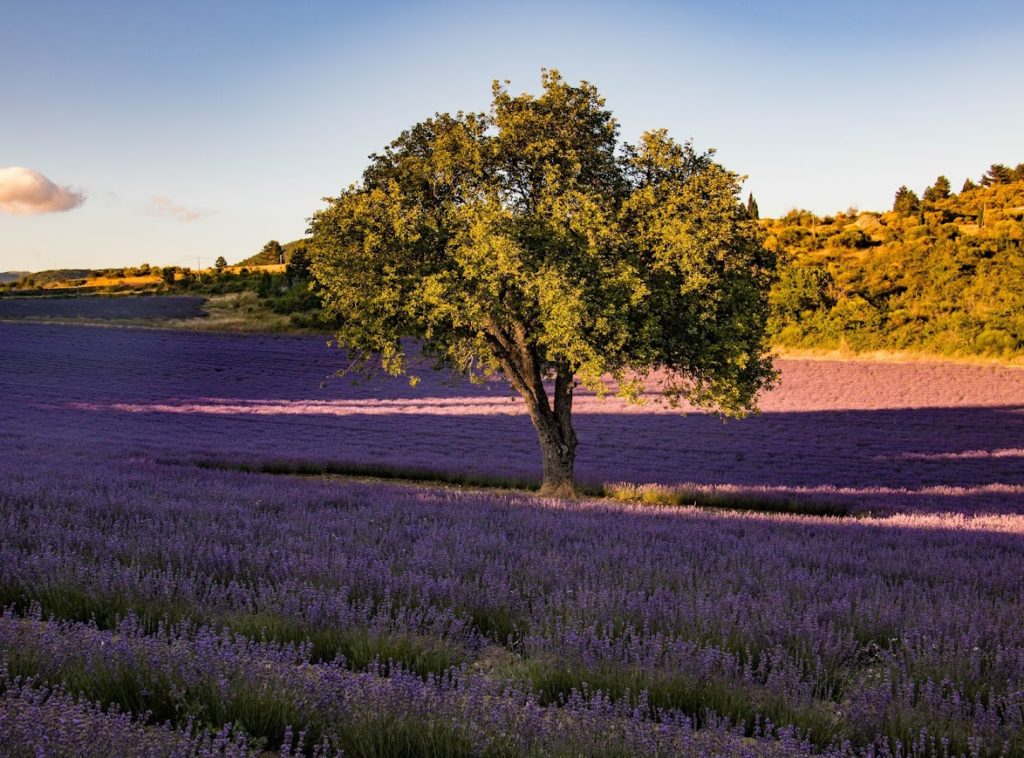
[297, 270]
[800, 294]
[265, 285]
[853, 239]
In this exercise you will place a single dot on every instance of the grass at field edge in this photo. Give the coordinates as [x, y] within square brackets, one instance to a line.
[646, 494]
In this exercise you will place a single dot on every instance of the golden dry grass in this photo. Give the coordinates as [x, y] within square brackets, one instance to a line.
[152, 279]
[890, 356]
[105, 281]
[272, 268]
[234, 312]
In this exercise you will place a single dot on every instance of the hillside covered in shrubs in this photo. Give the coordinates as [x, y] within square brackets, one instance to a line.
[942, 272]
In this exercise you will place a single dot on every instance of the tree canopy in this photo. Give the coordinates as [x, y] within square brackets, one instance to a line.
[998, 174]
[906, 201]
[273, 252]
[530, 242]
[938, 191]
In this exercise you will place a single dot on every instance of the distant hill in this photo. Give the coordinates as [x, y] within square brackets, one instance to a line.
[60, 275]
[265, 257]
[12, 276]
[940, 273]
[73, 280]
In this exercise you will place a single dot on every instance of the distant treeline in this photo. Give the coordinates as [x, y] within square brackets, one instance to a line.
[289, 292]
[286, 290]
[942, 272]
[76, 277]
[274, 252]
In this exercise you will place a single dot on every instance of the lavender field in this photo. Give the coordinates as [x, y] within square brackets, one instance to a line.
[875, 437]
[138, 308]
[157, 605]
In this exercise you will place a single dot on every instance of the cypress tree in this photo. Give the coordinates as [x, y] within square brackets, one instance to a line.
[752, 210]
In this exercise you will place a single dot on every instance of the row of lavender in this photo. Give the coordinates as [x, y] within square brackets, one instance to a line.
[875, 437]
[497, 613]
[269, 695]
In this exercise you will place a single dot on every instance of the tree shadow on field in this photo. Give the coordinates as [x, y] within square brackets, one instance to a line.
[968, 459]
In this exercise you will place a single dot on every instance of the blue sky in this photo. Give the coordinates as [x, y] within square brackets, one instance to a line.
[203, 129]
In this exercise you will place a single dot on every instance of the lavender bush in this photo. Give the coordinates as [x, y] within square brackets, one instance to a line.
[38, 721]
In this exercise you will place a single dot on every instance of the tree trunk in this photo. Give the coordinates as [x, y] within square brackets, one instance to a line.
[552, 420]
[558, 439]
[559, 459]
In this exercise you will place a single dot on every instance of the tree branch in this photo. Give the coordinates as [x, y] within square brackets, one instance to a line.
[531, 363]
[564, 384]
[505, 352]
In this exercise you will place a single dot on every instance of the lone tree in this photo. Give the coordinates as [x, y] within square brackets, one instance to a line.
[220, 264]
[528, 242]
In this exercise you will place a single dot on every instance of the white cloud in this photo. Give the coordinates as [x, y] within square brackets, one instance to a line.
[164, 206]
[25, 192]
